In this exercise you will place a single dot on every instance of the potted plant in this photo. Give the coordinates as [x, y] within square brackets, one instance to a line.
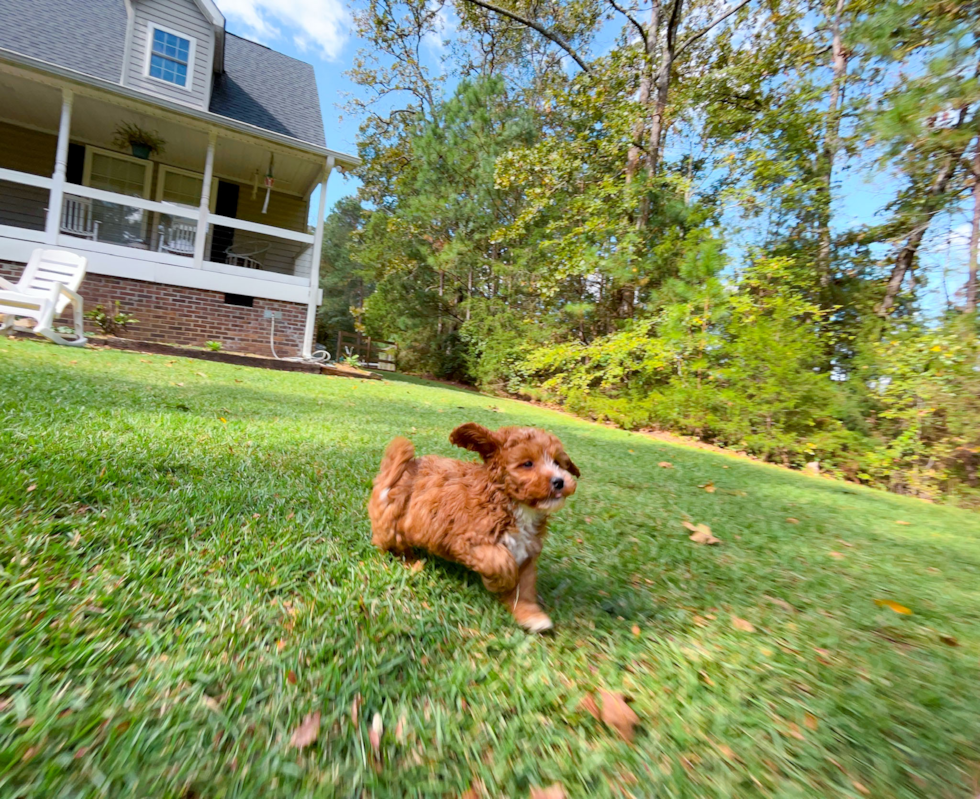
[142, 142]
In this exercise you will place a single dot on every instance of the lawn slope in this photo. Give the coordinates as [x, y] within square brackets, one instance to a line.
[186, 574]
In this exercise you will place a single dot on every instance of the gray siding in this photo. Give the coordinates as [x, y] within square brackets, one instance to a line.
[180, 16]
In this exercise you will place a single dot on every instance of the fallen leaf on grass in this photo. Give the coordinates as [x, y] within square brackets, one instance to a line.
[200, 374]
[291, 677]
[949, 640]
[726, 751]
[837, 555]
[589, 706]
[794, 732]
[635, 629]
[709, 487]
[665, 465]
[353, 709]
[618, 715]
[823, 655]
[905, 523]
[280, 645]
[470, 793]
[888, 603]
[31, 488]
[743, 625]
[307, 732]
[811, 721]
[400, 729]
[555, 791]
[417, 566]
[701, 533]
[791, 520]
[860, 788]
[223, 420]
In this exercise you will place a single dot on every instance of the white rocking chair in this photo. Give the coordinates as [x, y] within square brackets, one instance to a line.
[247, 254]
[77, 219]
[50, 281]
[178, 238]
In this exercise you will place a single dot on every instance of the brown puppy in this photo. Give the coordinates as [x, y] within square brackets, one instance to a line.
[489, 516]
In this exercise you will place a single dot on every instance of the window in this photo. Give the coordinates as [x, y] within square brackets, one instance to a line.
[180, 187]
[120, 174]
[170, 57]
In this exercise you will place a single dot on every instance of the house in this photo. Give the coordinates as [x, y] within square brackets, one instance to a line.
[207, 238]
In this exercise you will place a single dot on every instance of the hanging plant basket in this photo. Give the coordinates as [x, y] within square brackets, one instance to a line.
[143, 143]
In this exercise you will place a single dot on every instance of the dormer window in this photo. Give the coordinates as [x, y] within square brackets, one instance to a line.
[170, 57]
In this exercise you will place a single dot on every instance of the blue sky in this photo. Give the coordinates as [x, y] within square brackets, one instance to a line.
[321, 33]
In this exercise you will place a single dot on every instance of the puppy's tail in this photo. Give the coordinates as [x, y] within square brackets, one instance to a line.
[384, 512]
[397, 457]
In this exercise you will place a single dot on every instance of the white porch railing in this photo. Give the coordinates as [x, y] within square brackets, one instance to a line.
[134, 227]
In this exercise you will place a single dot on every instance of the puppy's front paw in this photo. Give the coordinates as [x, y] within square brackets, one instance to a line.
[536, 623]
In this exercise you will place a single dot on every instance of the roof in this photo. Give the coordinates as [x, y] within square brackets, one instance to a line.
[85, 36]
[267, 89]
[258, 86]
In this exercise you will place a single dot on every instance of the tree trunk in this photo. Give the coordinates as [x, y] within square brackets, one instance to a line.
[442, 287]
[971, 281]
[906, 256]
[831, 143]
[663, 87]
[469, 293]
[651, 34]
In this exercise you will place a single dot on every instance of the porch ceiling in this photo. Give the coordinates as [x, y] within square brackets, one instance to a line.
[36, 105]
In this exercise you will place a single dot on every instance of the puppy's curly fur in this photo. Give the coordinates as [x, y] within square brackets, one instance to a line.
[490, 516]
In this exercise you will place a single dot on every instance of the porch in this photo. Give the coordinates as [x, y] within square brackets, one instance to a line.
[199, 214]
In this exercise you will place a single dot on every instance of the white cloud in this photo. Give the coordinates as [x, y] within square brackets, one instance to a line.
[319, 26]
[444, 24]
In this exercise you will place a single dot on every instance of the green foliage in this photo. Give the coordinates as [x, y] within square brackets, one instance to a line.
[112, 323]
[928, 383]
[341, 277]
[214, 346]
[129, 133]
[658, 236]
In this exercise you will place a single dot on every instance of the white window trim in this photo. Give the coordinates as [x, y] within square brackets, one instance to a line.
[147, 165]
[161, 176]
[150, 28]
[147, 174]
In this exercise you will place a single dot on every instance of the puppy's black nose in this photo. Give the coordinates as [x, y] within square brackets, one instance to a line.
[557, 483]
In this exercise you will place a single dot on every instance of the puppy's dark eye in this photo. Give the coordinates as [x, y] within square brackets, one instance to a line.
[527, 464]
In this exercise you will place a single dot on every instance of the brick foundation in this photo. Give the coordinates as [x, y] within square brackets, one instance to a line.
[177, 315]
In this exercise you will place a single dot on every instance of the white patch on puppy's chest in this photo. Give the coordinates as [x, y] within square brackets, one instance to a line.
[524, 543]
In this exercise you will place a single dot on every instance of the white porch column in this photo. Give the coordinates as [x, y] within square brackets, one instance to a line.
[315, 262]
[202, 221]
[53, 222]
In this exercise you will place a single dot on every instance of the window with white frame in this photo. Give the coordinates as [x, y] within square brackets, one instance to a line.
[171, 57]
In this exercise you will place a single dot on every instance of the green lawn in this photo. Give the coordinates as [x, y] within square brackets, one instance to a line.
[186, 573]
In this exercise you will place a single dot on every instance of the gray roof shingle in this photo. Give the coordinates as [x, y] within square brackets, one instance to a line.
[269, 90]
[259, 86]
[85, 36]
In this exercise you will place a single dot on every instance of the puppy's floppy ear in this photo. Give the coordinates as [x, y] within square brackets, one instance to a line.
[566, 463]
[476, 438]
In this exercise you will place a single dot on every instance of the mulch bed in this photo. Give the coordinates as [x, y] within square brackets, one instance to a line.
[238, 358]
